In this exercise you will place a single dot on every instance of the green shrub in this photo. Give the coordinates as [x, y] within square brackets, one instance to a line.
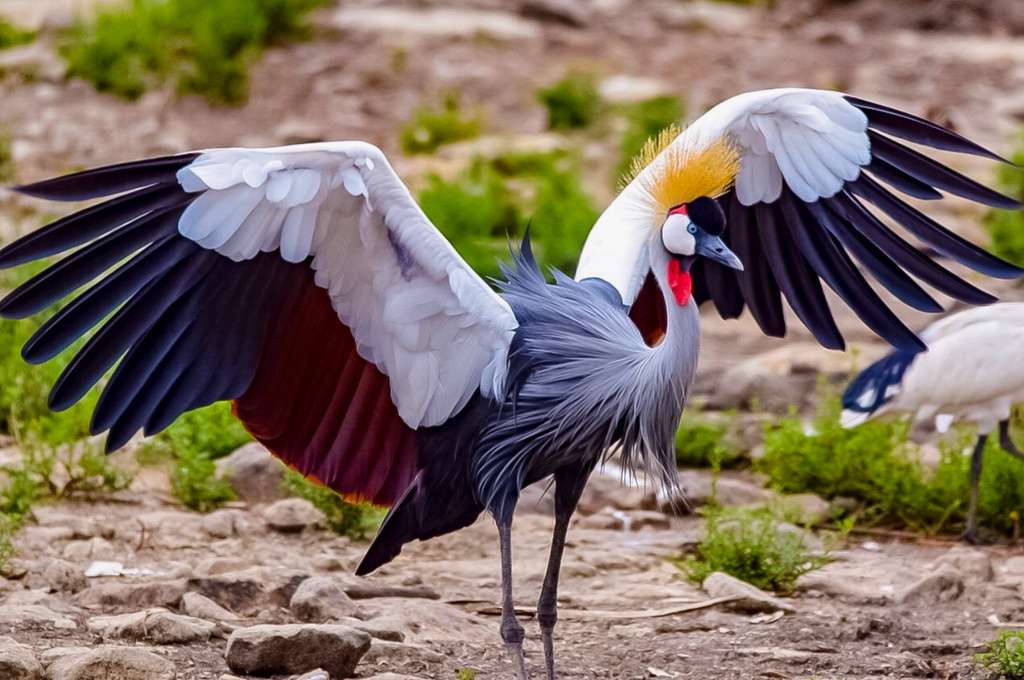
[7, 169]
[202, 47]
[573, 102]
[703, 442]
[12, 36]
[645, 120]
[432, 127]
[192, 444]
[1006, 227]
[750, 545]
[1004, 656]
[876, 464]
[355, 520]
[493, 201]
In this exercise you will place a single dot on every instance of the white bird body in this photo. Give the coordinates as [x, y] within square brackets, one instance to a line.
[973, 370]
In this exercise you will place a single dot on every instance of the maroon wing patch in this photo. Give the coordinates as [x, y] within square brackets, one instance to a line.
[323, 409]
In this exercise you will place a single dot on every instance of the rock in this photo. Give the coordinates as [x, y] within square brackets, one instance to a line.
[752, 600]
[318, 674]
[609, 519]
[158, 626]
[292, 515]
[943, 584]
[225, 523]
[567, 12]
[429, 621]
[202, 607]
[221, 565]
[320, 599]
[111, 663]
[250, 589]
[17, 662]
[973, 564]
[253, 472]
[382, 628]
[62, 576]
[383, 651]
[723, 19]
[329, 563]
[299, 131]
[19, 615]
[611, 486]
[696, 487]
[806, 508]
[81, 527]
[367, 590]
[132, 596]
[393, 676]
[296, 648]
[626, 89]
[646, 519]
[441, 22]
[91, 549]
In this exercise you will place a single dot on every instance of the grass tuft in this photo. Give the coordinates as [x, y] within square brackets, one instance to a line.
[432, 127]
[573, 102]
[355, 520]
[1006, 227]
[202, 47]
[12, 36]
[1004, 656]
[703, 442]
[753, 546]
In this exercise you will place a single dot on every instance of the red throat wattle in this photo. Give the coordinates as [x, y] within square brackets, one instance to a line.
[680, 282]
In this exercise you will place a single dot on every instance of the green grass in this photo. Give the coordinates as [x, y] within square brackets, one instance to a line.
[1004, 656]
[573, 102]
[876, 464]
[431, 127]
[8, 171]
[748, 544]
[355, 520]
[493, 200]
[202, 47]
[12, 36]
[191, 445]
[645, 120]
[1006, 227]
[704, 442]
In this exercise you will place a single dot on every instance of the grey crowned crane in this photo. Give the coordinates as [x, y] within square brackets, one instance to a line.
[973, 370]
[305, 284]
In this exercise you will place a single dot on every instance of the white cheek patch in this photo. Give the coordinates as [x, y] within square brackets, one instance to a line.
[675, 237]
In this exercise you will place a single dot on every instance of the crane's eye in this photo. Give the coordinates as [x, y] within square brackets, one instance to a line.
[692, 228]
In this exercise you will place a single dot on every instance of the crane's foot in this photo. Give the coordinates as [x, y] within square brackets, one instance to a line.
[512, 633]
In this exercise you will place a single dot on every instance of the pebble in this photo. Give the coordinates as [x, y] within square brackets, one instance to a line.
[131, 596]
[320, 599]
[296, 648]
[975, 565]
[17, 662]
[202, 607]
[253, 472]
[63, 576]
[943, 584]
[292, 515]
[110, 663]
[752, 600]
[158, 626]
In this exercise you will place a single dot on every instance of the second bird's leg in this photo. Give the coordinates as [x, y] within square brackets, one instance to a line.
[971, 535]
[511, 630]
[569, 483]
[1005, 442]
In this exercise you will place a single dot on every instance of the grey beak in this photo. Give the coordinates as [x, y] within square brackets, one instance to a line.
[713, 248]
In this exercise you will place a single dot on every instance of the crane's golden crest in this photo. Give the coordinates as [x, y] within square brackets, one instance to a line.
[679, 174]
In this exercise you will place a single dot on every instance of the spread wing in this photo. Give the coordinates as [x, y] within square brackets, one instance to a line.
[811, 164]
[302, 282]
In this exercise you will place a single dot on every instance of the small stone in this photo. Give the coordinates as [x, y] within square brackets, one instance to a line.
[298, 131]
[19, 615]
[292, 515]
[17, 662]
[806, 508]
[609, 519]
[646, 519]
[318, 674]
[111, 663]
[320, 599]
[975, 565]
[382, 628]
[296, 648]
[751, 600]
[253, 472]
[567, 12]
[697, 489]
[131, 596]
[250, 589]
[158, 626]
[91, 549]
[62, 576]
[220, 565]
[393, 676]
[943, 584]
[365, 590]
[221, 523]
[401, 652]
[329, 563]
[202, 607]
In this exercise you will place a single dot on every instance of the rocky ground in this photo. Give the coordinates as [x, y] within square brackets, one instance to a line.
[134, 587]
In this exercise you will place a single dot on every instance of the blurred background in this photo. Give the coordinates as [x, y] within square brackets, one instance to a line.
[499, 114]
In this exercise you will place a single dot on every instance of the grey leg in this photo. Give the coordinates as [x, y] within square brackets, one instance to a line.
[971, 535]
[569, 485]
[1005, 442]
[511, 630]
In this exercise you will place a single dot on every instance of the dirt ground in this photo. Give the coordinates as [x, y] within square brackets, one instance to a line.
[369, 66]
